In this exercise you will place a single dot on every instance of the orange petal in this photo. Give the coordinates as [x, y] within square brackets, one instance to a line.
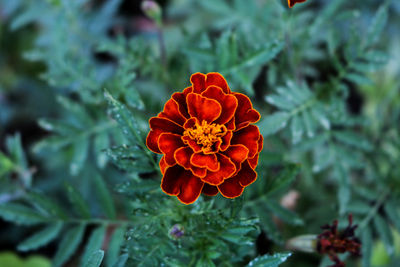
[159, 126]
[182, 157]
[203, 108]
[246, 174]
[248, 137]
[237, 154]
[210, 190]
[181, 183]
[168, 144]
[171, 111]
[163, 165]
[253, 161]
[214, 78]
[231, 188]
[226, 141]
[198, 81]
[226, 170]
[180, 99]
[227, 102]
[291, 3]
[208, 161]
[245, 114]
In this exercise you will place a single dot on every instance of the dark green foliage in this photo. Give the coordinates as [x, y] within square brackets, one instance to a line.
[324, 76]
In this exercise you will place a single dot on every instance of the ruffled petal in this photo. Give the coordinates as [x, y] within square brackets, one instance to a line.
[214, 78]
[253, 161]
[226, 141]
[159, 126]
[245, 114]
[198, 81]
[180, 99]
[248, 137]
[226, 170]
[246, 174]
[181, 183]
[228, 103]
[237, 154]
[208, 161]
[210, 190]
[291, 3]
[231, 187]
[182, 156]
[203, 108]
[168, 144]
[171, 111]
[260, 143]
[163, 165]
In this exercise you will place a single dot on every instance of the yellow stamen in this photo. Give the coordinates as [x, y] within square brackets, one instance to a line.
[206, 134]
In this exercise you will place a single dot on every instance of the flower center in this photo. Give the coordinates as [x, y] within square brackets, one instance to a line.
[206, 134]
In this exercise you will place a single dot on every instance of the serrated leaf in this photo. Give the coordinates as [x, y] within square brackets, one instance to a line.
[114, 247]
[20, 214]
[280, 102]
[273, 123]
[81, 150]
[104, 196]
[353, 139]
[101, 142]
[94, 244]
[41, 238]
[125, 119]
[46, 205]
[377, 25]
[95, 259]
[296, 127]
[384, 232]
[68, 245]
[77, 201]
[269, 260]
[308, 122]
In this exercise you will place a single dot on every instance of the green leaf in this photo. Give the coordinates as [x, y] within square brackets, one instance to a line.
[95, 259]
[41, 238]
[273, 123]
[104, 196]
[6, 165]
[20, 214]
[385, 233]
[81, 150]
[94, 244]
[353, 139]
[377, 25]
[77, 201]
[125, 119]
[46, 205]
[286, 215]
[269, 260]
[366, 248]
[283, 181]
[358, 79]
[114, 247]
[392, 213]
[68, 245]
[296, 127]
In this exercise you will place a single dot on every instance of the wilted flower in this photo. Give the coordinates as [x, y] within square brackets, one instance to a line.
[207, 139]
[332, 242]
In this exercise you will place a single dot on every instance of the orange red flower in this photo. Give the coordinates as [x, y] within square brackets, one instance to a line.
[208, 140]
[291, 3]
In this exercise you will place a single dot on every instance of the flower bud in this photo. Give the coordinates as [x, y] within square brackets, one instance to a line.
[176, 231]
[305, 243]
[152, 10]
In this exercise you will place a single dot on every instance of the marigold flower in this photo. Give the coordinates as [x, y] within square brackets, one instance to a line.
[332, 242]
[207, 139]
[291, 3]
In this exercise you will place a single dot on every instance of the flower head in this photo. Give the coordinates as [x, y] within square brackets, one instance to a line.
[208, 140]
[332, 242]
